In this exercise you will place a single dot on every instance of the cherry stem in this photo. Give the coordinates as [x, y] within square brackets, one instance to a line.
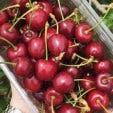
[32, 9]
[75, 45]
[98, 102]
[83, 80]
[60, 7]
[13, 6]
[53, 17]
[109, 78]
[7, 41]
[52, 104]
[9, 63]
[46, 27]
[87, 31]
[58, 58]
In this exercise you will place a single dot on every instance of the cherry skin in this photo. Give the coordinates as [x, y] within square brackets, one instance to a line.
[87, 84]
[81, 35]
[45, 69]
[46, 5]
[95, 49]
[75, 72]
[67, 28]
[9, 35]
[3, 18]
[63, 82]
[39, 18]
[52, 92]
[103, 65]
[57, 13]
[20, 51]
[95, 96]
[36, 47]
[23, 66]
[57, 44]
[67, 108]
[32, 84]
[102, 83]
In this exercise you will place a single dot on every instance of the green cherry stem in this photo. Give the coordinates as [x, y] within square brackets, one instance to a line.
[52, 104]
[46, 28]
[9, 63]
[83, 80]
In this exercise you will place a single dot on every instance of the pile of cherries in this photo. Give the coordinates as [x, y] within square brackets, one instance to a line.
[54, 54]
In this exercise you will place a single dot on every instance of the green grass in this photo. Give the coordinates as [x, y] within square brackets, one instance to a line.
[5, 92]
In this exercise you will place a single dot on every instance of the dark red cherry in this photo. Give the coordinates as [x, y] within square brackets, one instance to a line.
[88, 84]
[103, 65]
[22, 3]
[103, 82]
[95, 97]
[63, 82]
[39, 18]
[32, 84]
[19, 51]
[57, 13]
[57, 44]
[46, 6]
[67, 108]
[67, 28]
[9, 35]
[45, 69]
[81, 35]
[36, 47]
[52, 92]
[23, 66]
[75, 72]
[3, 18]
[95, 49]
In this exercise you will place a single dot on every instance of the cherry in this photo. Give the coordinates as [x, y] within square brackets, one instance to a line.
[67, 108]
[32, 84]
[97, 99]
[46, 6]
[9, 35]
[19, 51]
[103, 82]
[45, 69]
[63, 82]
[57, 44]
[23, 66]
[39, 18]
[81, 35]
[3, 18]
[58, 98]
[103, 65]
[95, 49]
[57, 13]
[75, 72]
[36, 47]
[88, 84]
[67, 28]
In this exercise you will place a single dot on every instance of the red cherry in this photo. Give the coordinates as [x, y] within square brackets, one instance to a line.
[63, 82]
[95, 49]
[103, 82]
[3, 18]
[67, 28]
[39, 18]
[67, 108]
[46, 5]
[57, 13]
[57, 44]
[88, 84]
[23, 66]
[45, 69]
[22, 3]
[95, 96]
[20, 51]
[103, 65]
[36, 47]
[51, 92]
[81, 35]
[32, 84]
